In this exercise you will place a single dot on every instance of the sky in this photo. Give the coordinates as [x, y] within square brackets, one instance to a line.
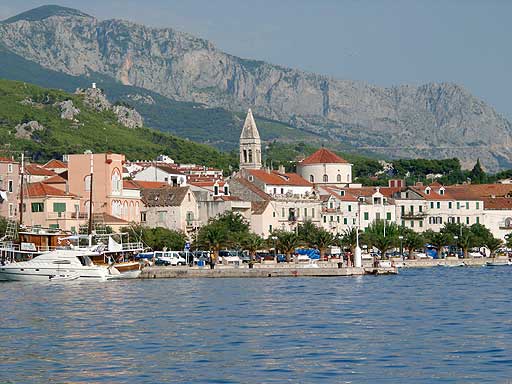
[382, 42]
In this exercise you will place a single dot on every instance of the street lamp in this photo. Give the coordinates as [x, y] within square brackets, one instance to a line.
[456, 247]
[401, 248]
[274, 238]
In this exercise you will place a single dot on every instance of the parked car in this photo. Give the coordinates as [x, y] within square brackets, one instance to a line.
[166, 258]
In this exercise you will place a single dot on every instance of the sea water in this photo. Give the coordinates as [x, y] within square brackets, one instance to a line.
[437, 325]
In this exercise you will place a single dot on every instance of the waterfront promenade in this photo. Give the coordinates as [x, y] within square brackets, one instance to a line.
[320, 269]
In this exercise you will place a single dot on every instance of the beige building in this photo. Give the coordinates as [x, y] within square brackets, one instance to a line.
[47, 207]
[325, 167]
[9, 188]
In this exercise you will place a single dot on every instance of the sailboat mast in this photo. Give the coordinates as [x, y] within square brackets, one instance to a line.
[22, 171]
[90, 198]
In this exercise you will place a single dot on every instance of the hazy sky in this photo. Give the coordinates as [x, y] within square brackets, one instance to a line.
[381, 42]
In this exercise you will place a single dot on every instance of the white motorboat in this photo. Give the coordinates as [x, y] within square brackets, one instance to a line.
[498, 263]
[461, 264]
[59, 264]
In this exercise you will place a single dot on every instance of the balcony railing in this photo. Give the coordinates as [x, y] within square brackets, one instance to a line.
[414, 215]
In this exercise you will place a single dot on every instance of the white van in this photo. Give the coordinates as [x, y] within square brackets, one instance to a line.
[170, 258]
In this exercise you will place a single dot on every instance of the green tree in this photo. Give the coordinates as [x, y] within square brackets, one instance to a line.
[477, 174]
[323, 239]
[412, 240]
[493, 245]
[157, 238]
[213, 237]
[382, 235]
[438, 240]
[307, 232]
[253, 243]
[287, 242]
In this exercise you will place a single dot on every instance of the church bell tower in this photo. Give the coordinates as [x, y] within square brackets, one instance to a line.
[250, 144]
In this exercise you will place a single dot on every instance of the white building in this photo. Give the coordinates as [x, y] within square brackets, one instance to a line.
[325, 167]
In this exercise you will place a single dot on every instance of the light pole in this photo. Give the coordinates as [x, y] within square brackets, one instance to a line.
[456, 247]
[274, 238]
[401, 248]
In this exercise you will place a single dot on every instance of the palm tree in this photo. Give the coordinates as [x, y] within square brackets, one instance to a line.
[348, 238]
[382, 238]
[437, 239]
[307, 232]
[213, 237]
[413, 240]
[287, 242]
[252, 243]
[323, 240]
[493, 244]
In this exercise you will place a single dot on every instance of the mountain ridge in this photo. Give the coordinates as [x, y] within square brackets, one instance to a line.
[432, 120]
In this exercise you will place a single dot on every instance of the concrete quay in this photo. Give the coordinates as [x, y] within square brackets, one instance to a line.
[470, 262]
[264, 271]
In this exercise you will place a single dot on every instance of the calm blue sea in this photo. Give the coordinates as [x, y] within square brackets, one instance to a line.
[438, 325]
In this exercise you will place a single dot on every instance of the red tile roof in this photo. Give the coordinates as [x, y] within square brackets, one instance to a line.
[258, 207]
[150, 184]
[37, 170]
[130, 184]
[253, 188]
[276, 178]
[41, 189]
[498, 203]
[6, 160]
[54, 163]
[348, 195]
[57, 179]
[322, 156]
[474, 191]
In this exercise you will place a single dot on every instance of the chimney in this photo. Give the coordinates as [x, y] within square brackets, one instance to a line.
[281, 169]
[419, 184]
[93, 85]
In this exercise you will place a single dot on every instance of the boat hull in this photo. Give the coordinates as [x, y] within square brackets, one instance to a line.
[13, 273]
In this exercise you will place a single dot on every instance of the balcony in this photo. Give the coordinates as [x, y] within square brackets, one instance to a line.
[66, 215]
[413, 215]
[192, 224]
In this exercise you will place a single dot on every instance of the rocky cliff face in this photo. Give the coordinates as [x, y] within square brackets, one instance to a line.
[434, 120]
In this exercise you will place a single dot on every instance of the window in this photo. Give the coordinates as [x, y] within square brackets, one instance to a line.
[477, 220]
[441, 191]
[412, 224]
[274, 214]
[458, 204]
[427, 191]
[331, 219]
[431, 205]
[326, 178]
[458, 220]
[420, 208]
[338, 178]
[438, 205]
[338, 219]
[37, 207]
[402, 210]
[54, 226]
[345, 221]
[87, 183]
[467, 204]
[477, 205]
[403, 223]
[325, 219]
[190, 217]
[350, 208]
[312, 212]
[282, 191]
[467, 220]
[188, 195]
[388, 215]
[421, 223]
[216, 190]
[11, 209]
[143, 217]
[73, 229]
[411, 209]
[9, 168]
[59, 207]
[331, 204]
[116, 181]
[311, 178]
[282, 212]
[270, 228]
[450, 205]
[226, 190]
[10, 186]
[305, 212]
[161, 216]
[366, 216]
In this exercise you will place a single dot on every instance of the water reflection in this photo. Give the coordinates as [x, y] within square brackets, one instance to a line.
[442, 325]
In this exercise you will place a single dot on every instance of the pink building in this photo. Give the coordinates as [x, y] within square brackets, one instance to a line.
[110, 195]
[9, 187]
